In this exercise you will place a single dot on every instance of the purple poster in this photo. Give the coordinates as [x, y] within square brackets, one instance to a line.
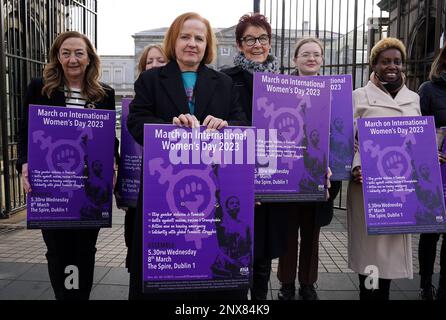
[401, 175]
[341, 127]
[441, 135]
[198, 208]
[130, 165]
[70, 164]
[292, 116]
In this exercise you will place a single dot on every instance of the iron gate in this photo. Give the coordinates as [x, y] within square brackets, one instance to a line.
[27, 30]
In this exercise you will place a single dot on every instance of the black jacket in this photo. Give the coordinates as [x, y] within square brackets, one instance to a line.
[433, 100]
[34, 96]
[160, 96]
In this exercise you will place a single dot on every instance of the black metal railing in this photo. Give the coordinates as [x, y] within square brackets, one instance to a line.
[27, 30]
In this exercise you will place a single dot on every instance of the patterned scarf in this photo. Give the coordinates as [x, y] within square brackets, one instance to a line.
[270, 65]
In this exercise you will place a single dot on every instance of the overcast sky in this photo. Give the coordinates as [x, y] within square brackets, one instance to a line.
[118, 20]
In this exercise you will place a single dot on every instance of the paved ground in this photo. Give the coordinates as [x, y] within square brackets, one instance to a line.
[24, 273]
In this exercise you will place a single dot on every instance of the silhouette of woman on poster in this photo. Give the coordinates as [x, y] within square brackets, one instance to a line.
[234, 238]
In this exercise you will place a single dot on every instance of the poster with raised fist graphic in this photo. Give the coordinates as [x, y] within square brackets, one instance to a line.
[292, 118]
[401, 175]
[70, 164]
[198, 208]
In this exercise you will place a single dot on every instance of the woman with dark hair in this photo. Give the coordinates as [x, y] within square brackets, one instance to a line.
[433, 103]
[253, 37]
[152, 56]
[186, 93]
[70, 79]
[386, 256]
[311, 216]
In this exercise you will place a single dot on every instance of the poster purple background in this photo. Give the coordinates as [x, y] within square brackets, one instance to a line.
[299, 109]
[401, 173]
[70, 164]
[198, 217]
[341, 127]
[130, 165]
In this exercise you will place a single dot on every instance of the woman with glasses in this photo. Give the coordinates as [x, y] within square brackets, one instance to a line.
[309, 217]
[253, 36]
[433, 103]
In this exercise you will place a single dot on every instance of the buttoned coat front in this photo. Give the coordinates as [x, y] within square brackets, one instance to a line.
[391, 254]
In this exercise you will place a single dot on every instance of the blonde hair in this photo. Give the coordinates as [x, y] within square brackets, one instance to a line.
[53, 74]
[383, 45]
[174, 31]
[439, 65]
[143, 57]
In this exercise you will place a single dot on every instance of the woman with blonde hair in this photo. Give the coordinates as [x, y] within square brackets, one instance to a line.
[152, 56]
[433, 103]
[70, 79]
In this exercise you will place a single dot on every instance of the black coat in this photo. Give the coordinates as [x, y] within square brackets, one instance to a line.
[34, 96]
[433, 100]
[159, 97]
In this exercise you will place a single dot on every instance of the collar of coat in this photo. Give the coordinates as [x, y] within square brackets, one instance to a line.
[207, 81]
[378, 97]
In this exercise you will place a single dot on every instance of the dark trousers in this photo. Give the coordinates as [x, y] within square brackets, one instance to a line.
[427, 252]
[382, 293]
[129, 229]
[71, 248]
[304, 219]
[262, 271]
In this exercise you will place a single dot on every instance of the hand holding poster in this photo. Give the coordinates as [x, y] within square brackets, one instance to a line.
[401, 173]
[292, 116]
[70, 163]
[130, 165]
[198, 208]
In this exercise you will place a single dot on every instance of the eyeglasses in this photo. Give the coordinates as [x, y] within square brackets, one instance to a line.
[250, 40]
[307, 55]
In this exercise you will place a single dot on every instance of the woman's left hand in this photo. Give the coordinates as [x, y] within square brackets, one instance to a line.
[213, 123]
[441, 157]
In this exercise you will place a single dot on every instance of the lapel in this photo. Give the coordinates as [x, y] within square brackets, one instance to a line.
[377, 97]
[170, 78]
[204, 89]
